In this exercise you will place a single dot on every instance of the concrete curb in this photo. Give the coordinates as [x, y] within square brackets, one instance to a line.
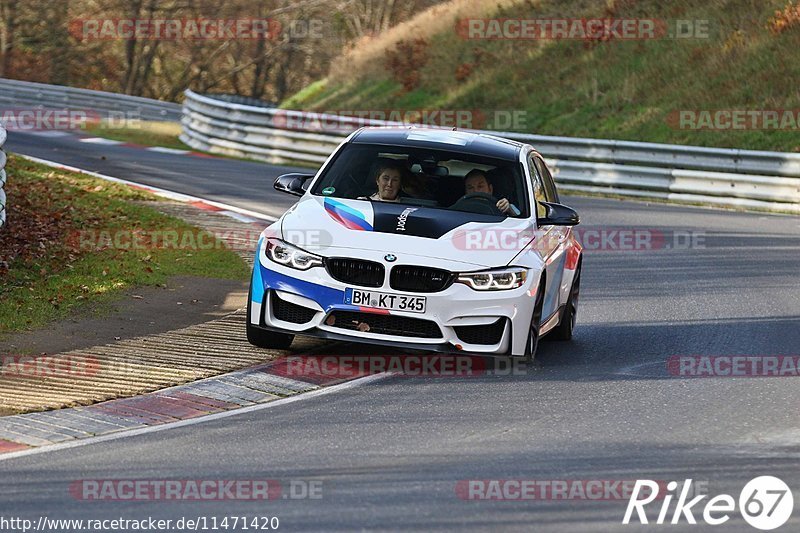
[229, 392]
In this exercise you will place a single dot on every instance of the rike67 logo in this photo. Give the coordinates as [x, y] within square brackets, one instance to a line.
[765, 503]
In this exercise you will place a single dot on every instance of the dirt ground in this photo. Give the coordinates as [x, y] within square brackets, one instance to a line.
[185, 301]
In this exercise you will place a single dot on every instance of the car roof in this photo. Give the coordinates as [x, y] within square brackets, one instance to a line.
[440, 139]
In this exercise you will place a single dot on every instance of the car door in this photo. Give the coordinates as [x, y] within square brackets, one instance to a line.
[552, 239]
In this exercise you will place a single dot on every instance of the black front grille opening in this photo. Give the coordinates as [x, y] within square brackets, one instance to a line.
[289, 312]
[420, 279]
[356, 271]
[488, 335]
[401, 326]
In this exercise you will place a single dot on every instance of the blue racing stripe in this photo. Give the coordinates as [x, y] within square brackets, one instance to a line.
[326, 297]
[256, 283]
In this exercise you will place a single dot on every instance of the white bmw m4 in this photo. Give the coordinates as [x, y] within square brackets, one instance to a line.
[426, 239]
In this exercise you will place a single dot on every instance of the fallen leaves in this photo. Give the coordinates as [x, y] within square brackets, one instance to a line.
[31, 236]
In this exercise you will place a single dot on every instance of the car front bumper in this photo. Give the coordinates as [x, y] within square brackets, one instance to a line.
[461, 314]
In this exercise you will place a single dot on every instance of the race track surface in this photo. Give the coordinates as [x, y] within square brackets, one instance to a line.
[390, 454]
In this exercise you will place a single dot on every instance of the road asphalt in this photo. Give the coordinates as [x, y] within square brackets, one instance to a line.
[402, 453]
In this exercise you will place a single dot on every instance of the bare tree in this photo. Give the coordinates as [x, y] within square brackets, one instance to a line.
[8, 12]
[57, 17]
[39, 41]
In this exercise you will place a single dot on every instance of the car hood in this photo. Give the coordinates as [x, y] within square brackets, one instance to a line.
[333, 227]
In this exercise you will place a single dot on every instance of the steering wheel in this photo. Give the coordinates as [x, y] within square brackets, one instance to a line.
[477, 202]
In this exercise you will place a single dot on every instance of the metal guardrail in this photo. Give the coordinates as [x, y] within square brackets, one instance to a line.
[665, 155]
[3, 177]
[15, 93]
[244, 100]
[238, 127]
[689, 174]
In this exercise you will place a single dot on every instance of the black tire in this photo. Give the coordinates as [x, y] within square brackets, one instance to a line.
[563, 332]
[536, 322]
[270, 340]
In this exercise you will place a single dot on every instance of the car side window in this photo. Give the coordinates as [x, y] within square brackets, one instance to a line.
[547, 179]
[538, 188]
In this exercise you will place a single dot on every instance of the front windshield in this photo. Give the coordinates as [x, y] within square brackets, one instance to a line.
[429, 178]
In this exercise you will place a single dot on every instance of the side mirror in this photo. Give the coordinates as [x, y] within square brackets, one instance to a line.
[293, 183]
[559, 215]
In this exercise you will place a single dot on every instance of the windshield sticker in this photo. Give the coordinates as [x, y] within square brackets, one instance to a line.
[439, 136]
[327, 191]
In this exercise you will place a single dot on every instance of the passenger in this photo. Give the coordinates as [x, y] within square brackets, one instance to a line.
[476, 181]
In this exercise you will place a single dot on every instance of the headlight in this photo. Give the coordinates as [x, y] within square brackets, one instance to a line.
[495, 280]
[285, 254]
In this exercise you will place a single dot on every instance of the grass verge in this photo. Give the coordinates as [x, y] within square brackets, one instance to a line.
[630, 89]
[143, 132]
[68, 244]
[161, 134]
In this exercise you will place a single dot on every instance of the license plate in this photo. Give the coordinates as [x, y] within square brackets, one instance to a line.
[382, 300]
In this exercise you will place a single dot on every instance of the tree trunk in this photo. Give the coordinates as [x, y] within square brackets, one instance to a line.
[131, 49]
[61, 50]
[8, 10]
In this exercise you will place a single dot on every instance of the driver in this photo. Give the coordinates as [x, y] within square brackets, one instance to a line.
[476, 181]
[389, 179]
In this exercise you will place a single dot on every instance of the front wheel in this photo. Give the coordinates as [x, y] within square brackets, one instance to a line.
[536, 322]
[270, 340]
[570, 314]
